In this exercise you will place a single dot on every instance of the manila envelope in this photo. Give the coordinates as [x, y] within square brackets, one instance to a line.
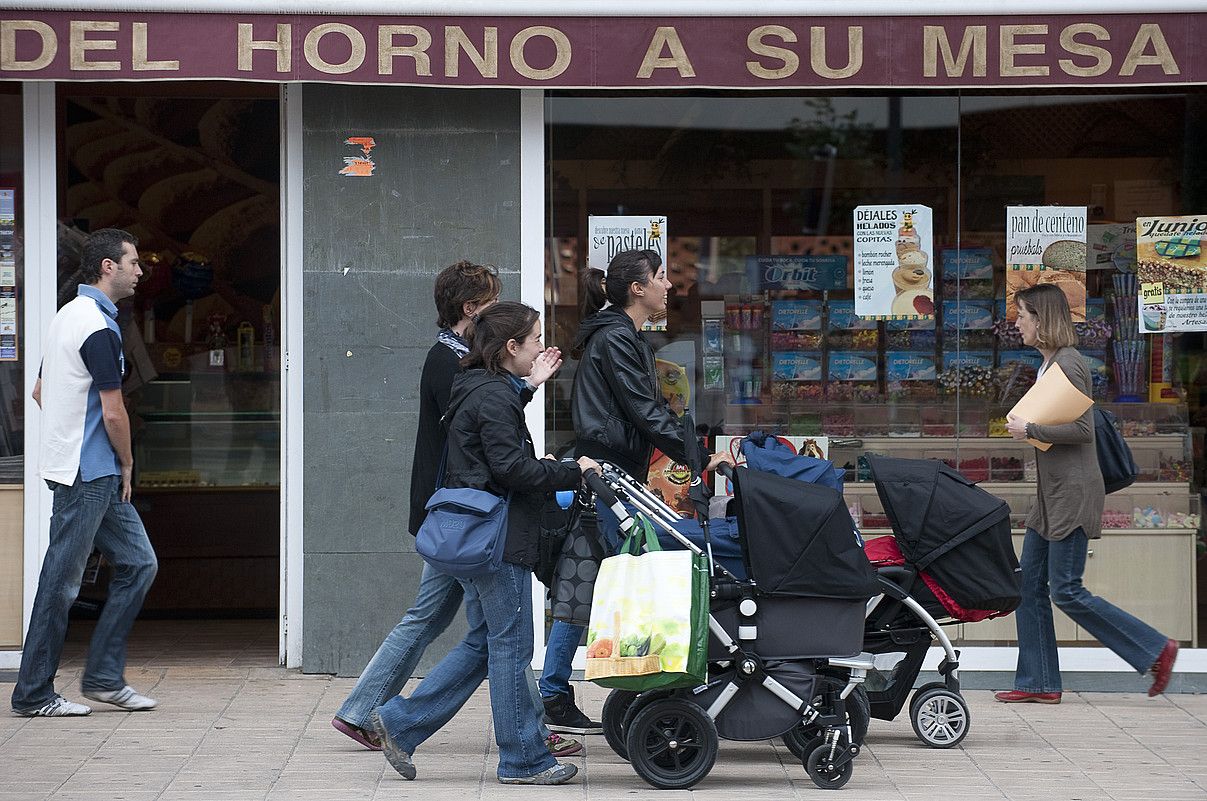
[1052, 400]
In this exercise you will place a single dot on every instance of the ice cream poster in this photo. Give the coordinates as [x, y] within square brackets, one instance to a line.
[894, 266]
[1172, 273]
[610, 235]
[1046, 245]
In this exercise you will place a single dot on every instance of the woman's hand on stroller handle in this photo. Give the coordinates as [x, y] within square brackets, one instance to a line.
[722, 462]
[587, 465]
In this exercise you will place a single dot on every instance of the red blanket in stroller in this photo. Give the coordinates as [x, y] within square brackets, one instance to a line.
[884, 551]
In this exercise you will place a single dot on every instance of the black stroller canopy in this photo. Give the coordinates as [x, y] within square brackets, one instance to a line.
[934, 510]
[799, 539]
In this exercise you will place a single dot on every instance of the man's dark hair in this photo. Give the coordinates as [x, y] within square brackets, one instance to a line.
[493, 329]
[464, 282]
[100, 245]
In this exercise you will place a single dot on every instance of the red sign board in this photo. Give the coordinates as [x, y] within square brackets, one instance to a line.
[614, 52]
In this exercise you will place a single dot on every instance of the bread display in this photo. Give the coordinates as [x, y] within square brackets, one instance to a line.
[222, 135]
[81, 196]
[243, 239]
[81, 133]
[93, 157]
[180, 203]
[1065, 254]
[174, 118]
[127, 177]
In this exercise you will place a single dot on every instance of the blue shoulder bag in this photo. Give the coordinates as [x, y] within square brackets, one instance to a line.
[465, 529]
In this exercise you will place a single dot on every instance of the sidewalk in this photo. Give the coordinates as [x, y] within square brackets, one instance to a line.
[226, 729]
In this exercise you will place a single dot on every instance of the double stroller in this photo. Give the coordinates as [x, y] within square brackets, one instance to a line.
[786, 638]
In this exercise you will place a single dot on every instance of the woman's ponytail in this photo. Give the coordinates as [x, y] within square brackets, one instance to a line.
[593, 294]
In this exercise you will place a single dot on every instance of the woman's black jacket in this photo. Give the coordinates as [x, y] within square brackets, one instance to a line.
[617, 406]
[489, 448]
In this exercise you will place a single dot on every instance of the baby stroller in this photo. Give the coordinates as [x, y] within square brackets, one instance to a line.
[778, 637]
[951, 561]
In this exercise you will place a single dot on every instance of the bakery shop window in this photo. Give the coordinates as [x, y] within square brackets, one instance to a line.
[192, 170]
[759, 204]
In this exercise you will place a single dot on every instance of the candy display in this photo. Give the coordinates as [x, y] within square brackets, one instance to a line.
[910, 339]
[1013, 380]
[838, 424]
[797, 390]
[862, 392]
[795, 340]
[1175, 469]
[971, 380]
[1008, 335]
[975, 468]
[1093, 334]
[997, 427]
[1005, 468]
[1116, 518]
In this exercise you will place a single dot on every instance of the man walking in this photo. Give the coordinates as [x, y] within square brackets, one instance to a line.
[86, 461]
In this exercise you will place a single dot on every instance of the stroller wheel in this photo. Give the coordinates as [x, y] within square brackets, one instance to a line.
[940, 717]
[672, 743]
[614, 708]
[859, 712]
[826, 773]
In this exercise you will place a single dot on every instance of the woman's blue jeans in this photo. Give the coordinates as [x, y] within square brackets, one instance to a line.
[1052, 571]
[498, 644]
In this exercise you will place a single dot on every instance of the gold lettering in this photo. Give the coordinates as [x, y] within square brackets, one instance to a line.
[560, 62]
[283, 45]
[756, 45]
[1101, 56]
[485, 62]
[139, 58]
[817, 52]
[78, 45]
[386, 51]
[666, 37]
[1161, 56]
[8, 45]
[1009, 49]
[310, 46]
[974, 43]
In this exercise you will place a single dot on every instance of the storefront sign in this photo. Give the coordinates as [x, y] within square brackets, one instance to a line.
[894, 274]
[1172, 270]
[620, 52]
[1046, 245]
[826, 271]
[608, 236]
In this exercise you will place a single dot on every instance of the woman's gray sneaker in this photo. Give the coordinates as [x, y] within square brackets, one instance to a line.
[126, 698]
[399, 760]
[57, 707]
[558, 774]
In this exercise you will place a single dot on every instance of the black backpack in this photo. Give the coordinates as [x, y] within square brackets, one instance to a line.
[1119, 469]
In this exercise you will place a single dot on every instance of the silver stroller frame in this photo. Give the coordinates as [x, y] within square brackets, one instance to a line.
[836, 756]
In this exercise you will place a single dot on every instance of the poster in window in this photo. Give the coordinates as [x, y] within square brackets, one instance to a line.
[894, 268]
[8, 275]
[613, 234]
[1172, 272]
[1046, 245]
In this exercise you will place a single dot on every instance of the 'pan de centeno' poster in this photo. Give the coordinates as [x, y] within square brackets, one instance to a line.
[1046, 245]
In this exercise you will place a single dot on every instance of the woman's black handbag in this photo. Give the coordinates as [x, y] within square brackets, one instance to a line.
[1119, 469]
[574, 578]
[556, 525]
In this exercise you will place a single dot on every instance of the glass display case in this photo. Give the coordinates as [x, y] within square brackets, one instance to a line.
[214, 430]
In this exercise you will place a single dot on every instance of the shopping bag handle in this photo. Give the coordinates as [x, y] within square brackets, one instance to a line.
[641, 533]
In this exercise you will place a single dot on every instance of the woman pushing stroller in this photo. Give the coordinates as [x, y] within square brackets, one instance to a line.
[619, 416]
[1066, 516]
[490, 448]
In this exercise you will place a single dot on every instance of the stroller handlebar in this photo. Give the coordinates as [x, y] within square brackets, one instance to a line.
[726, 470]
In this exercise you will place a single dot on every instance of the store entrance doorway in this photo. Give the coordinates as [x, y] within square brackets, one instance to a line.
[193, 171]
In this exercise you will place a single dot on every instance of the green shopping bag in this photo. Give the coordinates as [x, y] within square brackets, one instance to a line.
[649, 617]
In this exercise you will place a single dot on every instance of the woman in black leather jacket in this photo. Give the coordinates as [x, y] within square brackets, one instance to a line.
[619, 416]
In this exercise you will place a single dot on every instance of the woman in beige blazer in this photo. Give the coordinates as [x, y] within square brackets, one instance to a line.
[1066, 516]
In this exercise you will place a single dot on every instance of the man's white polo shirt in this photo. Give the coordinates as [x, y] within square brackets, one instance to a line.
[83, 357]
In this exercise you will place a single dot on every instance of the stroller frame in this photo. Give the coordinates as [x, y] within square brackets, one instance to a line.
[826, 758]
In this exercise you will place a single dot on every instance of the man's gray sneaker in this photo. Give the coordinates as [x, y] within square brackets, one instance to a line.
[56, 707]
[126, 698]
[399, 760]
[558, 774]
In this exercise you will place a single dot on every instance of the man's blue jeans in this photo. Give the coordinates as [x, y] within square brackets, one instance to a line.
[1053, 570]
[564, 637]
[498, 644]
[389, 670]
[85, 514]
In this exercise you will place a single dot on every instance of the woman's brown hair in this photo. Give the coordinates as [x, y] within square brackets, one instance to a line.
[1054, 322]
[461, 283]
[625, 267]
[492, 329]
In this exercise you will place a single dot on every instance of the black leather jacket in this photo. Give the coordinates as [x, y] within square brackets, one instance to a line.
[617, 406]
[489, 448]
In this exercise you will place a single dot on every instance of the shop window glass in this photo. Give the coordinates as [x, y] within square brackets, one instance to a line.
[12, 274]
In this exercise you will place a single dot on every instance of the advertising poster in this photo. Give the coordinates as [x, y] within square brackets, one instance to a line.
[8, 276]
[804, 272]
[670, 480]
[610, 235]
[1046, 245]
[1172, 272]
[894, 270]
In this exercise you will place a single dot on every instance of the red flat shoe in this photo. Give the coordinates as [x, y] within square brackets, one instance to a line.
[366, 738]
[1162, 669]
[1020, 697]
